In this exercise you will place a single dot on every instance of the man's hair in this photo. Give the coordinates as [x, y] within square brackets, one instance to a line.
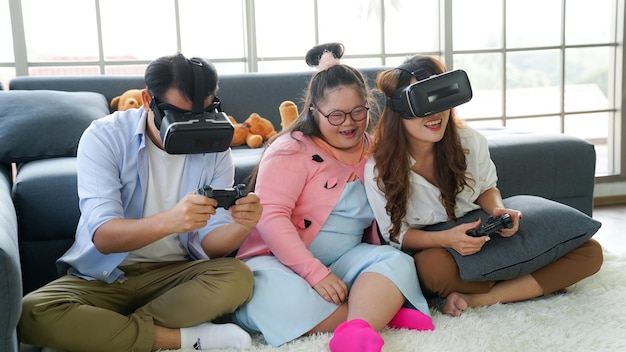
[175, 71]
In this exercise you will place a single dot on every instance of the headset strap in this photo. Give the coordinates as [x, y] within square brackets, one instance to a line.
[199, 86]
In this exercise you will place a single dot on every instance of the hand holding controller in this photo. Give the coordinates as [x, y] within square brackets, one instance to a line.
[491, 226]
[225, 196]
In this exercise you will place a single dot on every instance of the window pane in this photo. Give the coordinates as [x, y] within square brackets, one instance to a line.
[144, 35]
[285, 35]
[126, 70]
[533, 23]
[485, 74]
[586, 78]
[53, 34]
[212, 29]
[6, 39]
[596, 129]
[6, 74]
[532, 83]
[589, 22]
[411, 26]
[64, 71]
[547, 124]
[480, 30]
[354, 23]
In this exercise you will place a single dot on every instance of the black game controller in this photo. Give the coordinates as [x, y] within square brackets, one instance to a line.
[225, 196]
[491, 226]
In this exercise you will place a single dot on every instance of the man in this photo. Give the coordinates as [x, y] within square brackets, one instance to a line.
[139, 277]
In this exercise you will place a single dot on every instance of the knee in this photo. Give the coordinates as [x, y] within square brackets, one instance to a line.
[592, 250]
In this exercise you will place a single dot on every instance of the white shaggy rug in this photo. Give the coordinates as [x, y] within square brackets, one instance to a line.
[590, 317]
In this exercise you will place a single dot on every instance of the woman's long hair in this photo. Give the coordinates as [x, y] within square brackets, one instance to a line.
[392, 150]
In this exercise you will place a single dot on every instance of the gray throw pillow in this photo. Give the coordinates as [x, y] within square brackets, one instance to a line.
[548, 230]
[42, 124]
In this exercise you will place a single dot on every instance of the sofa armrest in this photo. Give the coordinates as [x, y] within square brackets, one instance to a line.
[10, 274]
[553, 166]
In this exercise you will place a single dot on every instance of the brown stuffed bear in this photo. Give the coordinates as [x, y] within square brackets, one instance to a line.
[260, 125]
[130, 99]
[243, 136]
[288, 113]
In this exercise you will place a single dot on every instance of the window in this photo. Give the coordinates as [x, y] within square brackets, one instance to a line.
[535, 65]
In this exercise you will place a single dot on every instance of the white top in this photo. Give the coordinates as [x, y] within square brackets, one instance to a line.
[164, 175]
[425, 207]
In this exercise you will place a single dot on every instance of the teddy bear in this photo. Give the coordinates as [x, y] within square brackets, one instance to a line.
[288, 113]
[130, 99]
[260, 125]
[243, 136]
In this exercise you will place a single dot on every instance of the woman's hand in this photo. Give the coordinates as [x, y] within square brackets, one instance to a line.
[332, 289]
[463, 243]
[515, 215]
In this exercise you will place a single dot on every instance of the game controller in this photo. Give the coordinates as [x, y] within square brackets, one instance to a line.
[491, 226]
[225, 196]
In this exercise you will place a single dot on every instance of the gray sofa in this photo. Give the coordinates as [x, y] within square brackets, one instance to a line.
[42, 123]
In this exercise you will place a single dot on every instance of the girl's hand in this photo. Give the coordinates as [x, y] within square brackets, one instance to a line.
[332, 289]
[516, 215]
[463, 243]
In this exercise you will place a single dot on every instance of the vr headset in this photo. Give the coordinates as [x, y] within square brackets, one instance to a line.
[430, 95]
[197, 131]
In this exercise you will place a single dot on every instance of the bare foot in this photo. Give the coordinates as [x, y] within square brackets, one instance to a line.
[456, 304]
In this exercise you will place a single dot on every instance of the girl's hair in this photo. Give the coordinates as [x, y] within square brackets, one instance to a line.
[330, 75]
[392, 150]
[174, 71]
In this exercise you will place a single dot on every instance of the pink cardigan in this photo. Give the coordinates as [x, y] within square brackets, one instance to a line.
[298, 184]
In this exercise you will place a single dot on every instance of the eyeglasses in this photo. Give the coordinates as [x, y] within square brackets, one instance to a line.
[337, 117]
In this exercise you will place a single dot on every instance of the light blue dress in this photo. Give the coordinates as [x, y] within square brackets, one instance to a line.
[284, 306]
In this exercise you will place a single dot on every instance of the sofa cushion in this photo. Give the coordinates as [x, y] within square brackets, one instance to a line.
[43, 124]
[547, 231]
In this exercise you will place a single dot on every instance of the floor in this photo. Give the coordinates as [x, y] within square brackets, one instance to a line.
[612, 234]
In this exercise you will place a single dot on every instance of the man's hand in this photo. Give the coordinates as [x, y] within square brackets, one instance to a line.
[189, 214]
[247, 210]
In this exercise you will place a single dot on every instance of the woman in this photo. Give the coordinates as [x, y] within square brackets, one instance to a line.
[441, 170]
[308, 253]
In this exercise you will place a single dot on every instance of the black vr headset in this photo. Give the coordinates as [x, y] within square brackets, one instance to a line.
[197, 131]
[430, 95]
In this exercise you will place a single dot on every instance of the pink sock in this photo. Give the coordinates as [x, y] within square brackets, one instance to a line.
[355, 335]
[412, 319]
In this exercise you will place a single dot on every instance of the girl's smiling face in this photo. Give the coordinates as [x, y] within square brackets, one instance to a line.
[349, 133]
[427, 129]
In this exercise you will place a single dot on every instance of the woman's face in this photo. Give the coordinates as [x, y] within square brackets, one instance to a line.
[350, 132]
[429, 129]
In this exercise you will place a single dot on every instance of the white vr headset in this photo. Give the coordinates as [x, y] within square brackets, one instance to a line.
[430, 95]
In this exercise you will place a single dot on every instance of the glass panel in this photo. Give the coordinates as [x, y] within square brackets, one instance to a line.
[290, 34]
[354, 23]
[125, 69]
[6, 74]
[148, 30]
[594, 128]
[212, 29]
[485, 75]
[52, 34]
[6, 36]
[532, 83]
[480, 30]
[64, 71]
[547, 124]
[407, 32]
[533, 23]
[586, 78]
[284, 66]
[589, 22]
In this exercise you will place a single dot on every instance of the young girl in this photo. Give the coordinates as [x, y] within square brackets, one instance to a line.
[433, 169]
[313, 272]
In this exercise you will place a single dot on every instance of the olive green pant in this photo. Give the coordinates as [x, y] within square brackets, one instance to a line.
[74, 314]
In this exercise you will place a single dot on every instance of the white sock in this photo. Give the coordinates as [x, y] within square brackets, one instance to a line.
[208, 335]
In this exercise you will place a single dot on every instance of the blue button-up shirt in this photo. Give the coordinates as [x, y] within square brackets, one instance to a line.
[112, 163]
